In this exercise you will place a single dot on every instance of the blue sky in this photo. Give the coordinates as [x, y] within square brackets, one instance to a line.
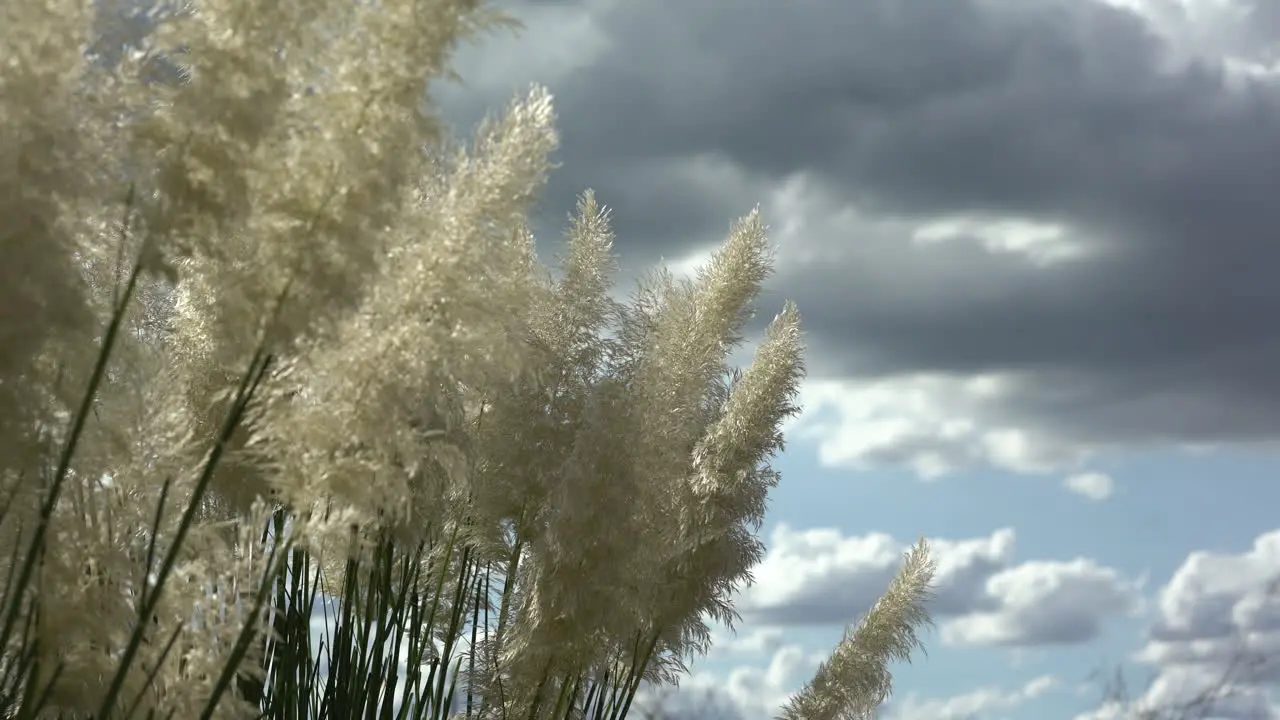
[1166, 504]
[1034, 246]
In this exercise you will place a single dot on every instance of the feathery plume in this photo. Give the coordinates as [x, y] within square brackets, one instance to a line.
[855, 680]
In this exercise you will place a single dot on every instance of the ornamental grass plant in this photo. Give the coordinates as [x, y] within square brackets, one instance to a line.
[277, 352]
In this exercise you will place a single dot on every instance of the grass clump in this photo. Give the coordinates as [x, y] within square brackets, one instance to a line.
[273, 347]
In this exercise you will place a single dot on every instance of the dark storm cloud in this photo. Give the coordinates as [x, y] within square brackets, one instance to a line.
[906, 106]
[683, 115]
[1075, 112]
[1052, 111]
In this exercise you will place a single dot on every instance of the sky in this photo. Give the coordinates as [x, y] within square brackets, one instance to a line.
[1032, 243]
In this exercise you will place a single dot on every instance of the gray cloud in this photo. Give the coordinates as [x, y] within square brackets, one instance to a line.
[1126, 131]
[859, 125]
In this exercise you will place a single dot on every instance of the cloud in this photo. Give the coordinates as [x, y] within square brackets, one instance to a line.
[980, 702]
[1092, 485]
[933, 424]
[1070, 199]
[1191, 692]
[1222, 611]
[1216, 637]
[1046, 603]
[766, 640]
[822, 577]
[992, 404]
[745, 692]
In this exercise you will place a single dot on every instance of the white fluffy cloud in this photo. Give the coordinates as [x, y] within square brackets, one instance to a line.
[1191, 692]
[1216, 637]
[1093, 485]
[980, 702]
[1213, 596]
[1220, 615]
[1046, 603]
[746, 692]
[933, 424]
[761, 640]
[822, 577]
[759, 692]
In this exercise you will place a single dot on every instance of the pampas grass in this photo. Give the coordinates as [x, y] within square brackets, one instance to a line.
[275, 349]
